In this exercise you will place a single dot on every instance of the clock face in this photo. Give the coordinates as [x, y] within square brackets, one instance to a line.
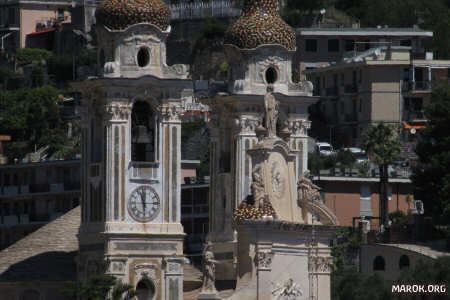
[144, 204]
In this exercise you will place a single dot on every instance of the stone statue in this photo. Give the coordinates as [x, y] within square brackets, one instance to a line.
[306, 189]
[271, 106]
[258, 186]
[209, 270]
[289, 290]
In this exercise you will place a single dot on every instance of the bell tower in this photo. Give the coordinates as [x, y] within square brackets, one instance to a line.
[131, 153]
[259, 47]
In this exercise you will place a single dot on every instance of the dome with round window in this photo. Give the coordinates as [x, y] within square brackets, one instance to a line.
[120, 14]
[260, 24]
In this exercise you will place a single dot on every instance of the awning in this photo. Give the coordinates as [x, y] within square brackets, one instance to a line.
[408, 126]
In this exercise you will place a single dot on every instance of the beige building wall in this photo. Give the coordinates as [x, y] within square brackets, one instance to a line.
[386, 93]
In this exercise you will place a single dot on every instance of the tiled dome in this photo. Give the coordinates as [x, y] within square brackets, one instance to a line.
[260, 24]
[119, 14]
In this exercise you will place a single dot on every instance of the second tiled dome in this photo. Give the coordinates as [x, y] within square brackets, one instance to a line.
[260, 24]
[119, 14]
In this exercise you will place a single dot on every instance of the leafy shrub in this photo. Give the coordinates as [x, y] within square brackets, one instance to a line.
[29, 55]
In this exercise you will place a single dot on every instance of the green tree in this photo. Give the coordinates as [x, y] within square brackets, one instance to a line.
[32, 118]
[432, 177]
[382, 143]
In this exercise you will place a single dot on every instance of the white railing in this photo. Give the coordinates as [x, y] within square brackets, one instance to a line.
[199, 10]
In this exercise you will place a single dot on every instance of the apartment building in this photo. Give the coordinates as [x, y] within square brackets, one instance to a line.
[387, 84]
[22, 20]
[317, 47]
[33, 194]
[353, 197]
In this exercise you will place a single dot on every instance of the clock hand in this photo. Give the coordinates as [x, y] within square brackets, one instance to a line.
[143, 201]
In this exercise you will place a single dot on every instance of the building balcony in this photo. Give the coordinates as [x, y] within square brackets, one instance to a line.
[350, 89]
[332, 91]
[417, 86]
[353, 117]
[54, 188]
[414, 116]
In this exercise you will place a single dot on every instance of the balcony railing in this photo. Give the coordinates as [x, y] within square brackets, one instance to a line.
[332, 91]
[414, 115]
[411, 86]
[144, 170]
[350, 89]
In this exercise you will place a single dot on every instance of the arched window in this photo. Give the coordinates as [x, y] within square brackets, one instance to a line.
[403, 263]
[30, 295]
[378, 263]
[145, 290]
[142, 132]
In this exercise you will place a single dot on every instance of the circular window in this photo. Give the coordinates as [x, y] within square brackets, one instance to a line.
[143, 57]
[271, 75]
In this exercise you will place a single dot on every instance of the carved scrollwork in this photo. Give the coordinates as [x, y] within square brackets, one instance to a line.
[263, 259]
[117, 112]
[319, 264]
[298, 127]
[288, 290]
[146, 270]
[247, 124]
[171, 112]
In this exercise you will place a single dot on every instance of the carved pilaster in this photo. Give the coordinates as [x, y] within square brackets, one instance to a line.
[319, 264]
[117, 112]
[263, 259]
[298, 128]
[171, 113]
[246, 125]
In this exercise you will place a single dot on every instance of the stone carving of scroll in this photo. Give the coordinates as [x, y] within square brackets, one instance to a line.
[289, 290]
[263, 259]
[306, 189]
[209, 270]
[271, 106]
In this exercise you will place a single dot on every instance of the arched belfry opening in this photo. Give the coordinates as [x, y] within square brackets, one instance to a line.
[145, 290]
[142, 133]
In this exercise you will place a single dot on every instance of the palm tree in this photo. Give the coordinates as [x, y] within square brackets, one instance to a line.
[382, 143]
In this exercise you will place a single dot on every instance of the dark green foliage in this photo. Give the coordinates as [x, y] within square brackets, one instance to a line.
[32, 118]
[87, 57]
[213, 28]
[426, 272]
[382, 143]
[188, 129]
[28, 55]
[432, 177]
[399, 217]
[98, 288]
[61, 68]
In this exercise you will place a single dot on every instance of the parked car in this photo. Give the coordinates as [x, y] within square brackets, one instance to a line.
[361, 155]
[324, 148]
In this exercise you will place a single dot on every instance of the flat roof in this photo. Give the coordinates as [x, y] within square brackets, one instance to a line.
[360, 179]
[384, 31]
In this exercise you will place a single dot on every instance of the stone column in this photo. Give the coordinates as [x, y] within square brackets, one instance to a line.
[298, 128]
[116, 119]
[319, 269]
[263, 264]
[245, 137]
[170, 139]
[174, 278]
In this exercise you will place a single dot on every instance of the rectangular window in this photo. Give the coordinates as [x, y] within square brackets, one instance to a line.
[360, 105]
[342, 79]
[406, 43]
[311, 45]
[61, 14]
[349, 45]
[333, 45]
[360, 76]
